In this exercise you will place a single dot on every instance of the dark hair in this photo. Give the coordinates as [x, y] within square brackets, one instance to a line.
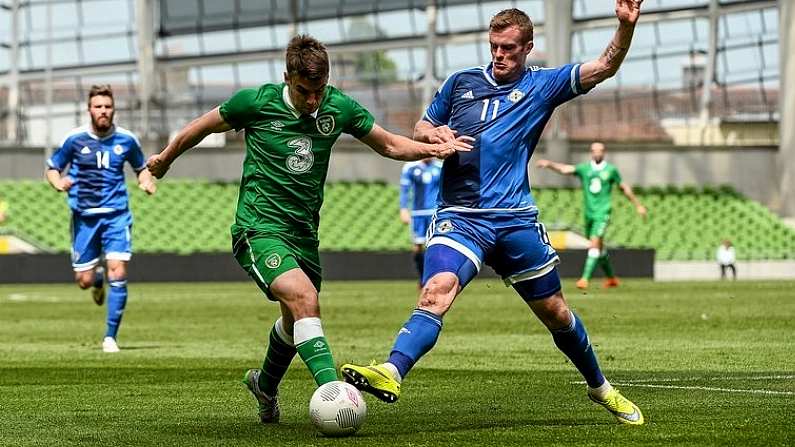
[100, 90]
[307, 57]
[513, 17]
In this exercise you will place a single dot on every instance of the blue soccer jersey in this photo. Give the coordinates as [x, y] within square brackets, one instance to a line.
[419, 187]
[97, 168]
[506, 121]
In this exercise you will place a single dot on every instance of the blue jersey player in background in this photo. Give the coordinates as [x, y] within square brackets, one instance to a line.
[487, 213]
[97, 196]
[419, 189]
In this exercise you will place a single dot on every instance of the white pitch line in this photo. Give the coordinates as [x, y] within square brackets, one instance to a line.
[706, 388]
[691, 379]
[644, 383]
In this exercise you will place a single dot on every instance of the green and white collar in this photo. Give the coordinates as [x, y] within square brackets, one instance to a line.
[286, 98]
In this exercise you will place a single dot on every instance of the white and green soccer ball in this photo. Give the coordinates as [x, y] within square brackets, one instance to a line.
[337, 409]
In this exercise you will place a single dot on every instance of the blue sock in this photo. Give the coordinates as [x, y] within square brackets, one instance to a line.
[117, 299]
[415, 338]
[574, 342]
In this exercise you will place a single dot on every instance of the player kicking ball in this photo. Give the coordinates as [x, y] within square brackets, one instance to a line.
[290, 130]
[598, 178]
[486, 212]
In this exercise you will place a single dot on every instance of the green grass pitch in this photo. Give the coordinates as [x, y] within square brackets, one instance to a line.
[709, 364]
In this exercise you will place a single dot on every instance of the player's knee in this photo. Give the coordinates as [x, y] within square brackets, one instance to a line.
[594, 252]
[301, 303]
[438, 294]
[553, 311]
[117, 272]
[84, 280]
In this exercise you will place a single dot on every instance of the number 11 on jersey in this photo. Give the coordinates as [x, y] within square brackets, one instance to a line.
[496, 105]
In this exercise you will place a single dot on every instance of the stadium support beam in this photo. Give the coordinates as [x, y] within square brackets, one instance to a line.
[558, 21]
[786, 151]
[12, 120]
[712, 54]
[48, 93]
[429, 82]
[144, 23]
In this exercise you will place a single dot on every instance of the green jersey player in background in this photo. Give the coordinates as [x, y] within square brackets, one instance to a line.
[598, 178]
[289, 131]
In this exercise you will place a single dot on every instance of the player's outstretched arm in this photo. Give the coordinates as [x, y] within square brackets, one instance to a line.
[627, 190]
[560, 168]
[398, 147]
[596, 71]
[189, 136]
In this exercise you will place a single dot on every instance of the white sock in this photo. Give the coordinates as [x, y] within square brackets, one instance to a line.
[393, 369]
[601, 391]
[282, 332]
[306, 329]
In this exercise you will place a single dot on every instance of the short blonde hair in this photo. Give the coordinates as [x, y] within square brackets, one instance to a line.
[513, 17]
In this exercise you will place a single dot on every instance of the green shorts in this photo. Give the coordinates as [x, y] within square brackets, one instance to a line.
[265, 256]
[596, 226]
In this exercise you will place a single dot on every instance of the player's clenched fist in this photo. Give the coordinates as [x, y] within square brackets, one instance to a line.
[157, 166]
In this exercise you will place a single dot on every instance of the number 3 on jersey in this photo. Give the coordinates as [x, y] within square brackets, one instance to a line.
[484, 112]
[103, 159]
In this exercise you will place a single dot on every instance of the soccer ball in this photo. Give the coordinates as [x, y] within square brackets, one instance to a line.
[337, 409]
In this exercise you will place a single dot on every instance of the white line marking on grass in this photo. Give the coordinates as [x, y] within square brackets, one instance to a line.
[645, 383]
[705, 388]
[690, 379]
[24, 298]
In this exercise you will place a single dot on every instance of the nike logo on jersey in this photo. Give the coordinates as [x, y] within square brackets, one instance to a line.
[468, 95]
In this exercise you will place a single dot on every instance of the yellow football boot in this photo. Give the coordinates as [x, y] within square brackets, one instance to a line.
[374, 379]
[622, 408]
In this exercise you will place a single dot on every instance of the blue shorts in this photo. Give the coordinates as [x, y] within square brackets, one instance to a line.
[515, 245]
[419, 228]
[102, 233]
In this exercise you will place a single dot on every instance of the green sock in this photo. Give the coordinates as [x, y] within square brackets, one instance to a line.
[277, 359]
[606, 266]
[590, 265]
[316, 353]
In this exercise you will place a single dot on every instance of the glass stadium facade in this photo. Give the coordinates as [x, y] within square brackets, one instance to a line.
[170, 60]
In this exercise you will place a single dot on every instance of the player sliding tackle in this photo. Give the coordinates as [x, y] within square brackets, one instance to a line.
[290, 129]
[486, 212]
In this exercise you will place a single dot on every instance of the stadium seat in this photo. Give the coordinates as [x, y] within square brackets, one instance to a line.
[188, 216]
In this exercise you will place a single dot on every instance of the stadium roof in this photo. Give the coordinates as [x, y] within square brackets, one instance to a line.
[179, 17]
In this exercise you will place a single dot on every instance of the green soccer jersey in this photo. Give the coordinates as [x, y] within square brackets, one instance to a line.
[597, 185]
[287, 155]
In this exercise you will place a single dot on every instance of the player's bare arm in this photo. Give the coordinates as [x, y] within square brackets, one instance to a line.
[627, 190]
[398, 147]
[60, 184]
[188, 137]
[560, 168]
[146, 182]
[426, 132]
[596, 71]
